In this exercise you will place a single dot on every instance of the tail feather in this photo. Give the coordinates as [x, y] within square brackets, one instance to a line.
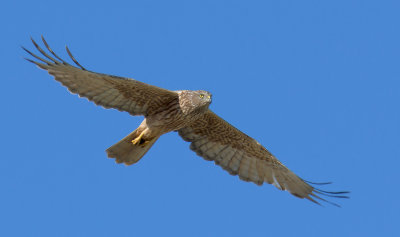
[126, 152]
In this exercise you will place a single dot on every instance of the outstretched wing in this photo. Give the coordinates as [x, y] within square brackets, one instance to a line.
[120, 93]
[215, 139]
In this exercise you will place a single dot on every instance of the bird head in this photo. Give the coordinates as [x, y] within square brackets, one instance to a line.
[194, 101]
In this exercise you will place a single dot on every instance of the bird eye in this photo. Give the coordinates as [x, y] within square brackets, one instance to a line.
[201, 96]
[209, 97]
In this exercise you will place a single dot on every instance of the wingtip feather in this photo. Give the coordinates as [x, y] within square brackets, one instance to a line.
[73, 58]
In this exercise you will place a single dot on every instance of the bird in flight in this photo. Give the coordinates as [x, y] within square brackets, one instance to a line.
[184, 111]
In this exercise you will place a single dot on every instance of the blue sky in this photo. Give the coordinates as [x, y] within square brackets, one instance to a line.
[316, 82]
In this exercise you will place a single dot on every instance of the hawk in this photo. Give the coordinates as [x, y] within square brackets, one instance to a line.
[184, 111]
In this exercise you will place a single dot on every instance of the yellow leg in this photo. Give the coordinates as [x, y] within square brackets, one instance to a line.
[136, 141]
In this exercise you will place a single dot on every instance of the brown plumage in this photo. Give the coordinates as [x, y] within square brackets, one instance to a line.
[184, 111]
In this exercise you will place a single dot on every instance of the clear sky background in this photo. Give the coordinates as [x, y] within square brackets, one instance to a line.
[316, 82]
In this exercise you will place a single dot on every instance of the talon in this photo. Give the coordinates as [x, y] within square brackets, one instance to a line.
[138, 140]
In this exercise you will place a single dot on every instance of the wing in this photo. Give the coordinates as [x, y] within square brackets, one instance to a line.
[215, 139]
[120, 93]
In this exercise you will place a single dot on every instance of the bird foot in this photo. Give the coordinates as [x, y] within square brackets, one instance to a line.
[136, 141]
[139, 141]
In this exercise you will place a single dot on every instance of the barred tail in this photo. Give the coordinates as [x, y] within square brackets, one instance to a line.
[126, 152]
